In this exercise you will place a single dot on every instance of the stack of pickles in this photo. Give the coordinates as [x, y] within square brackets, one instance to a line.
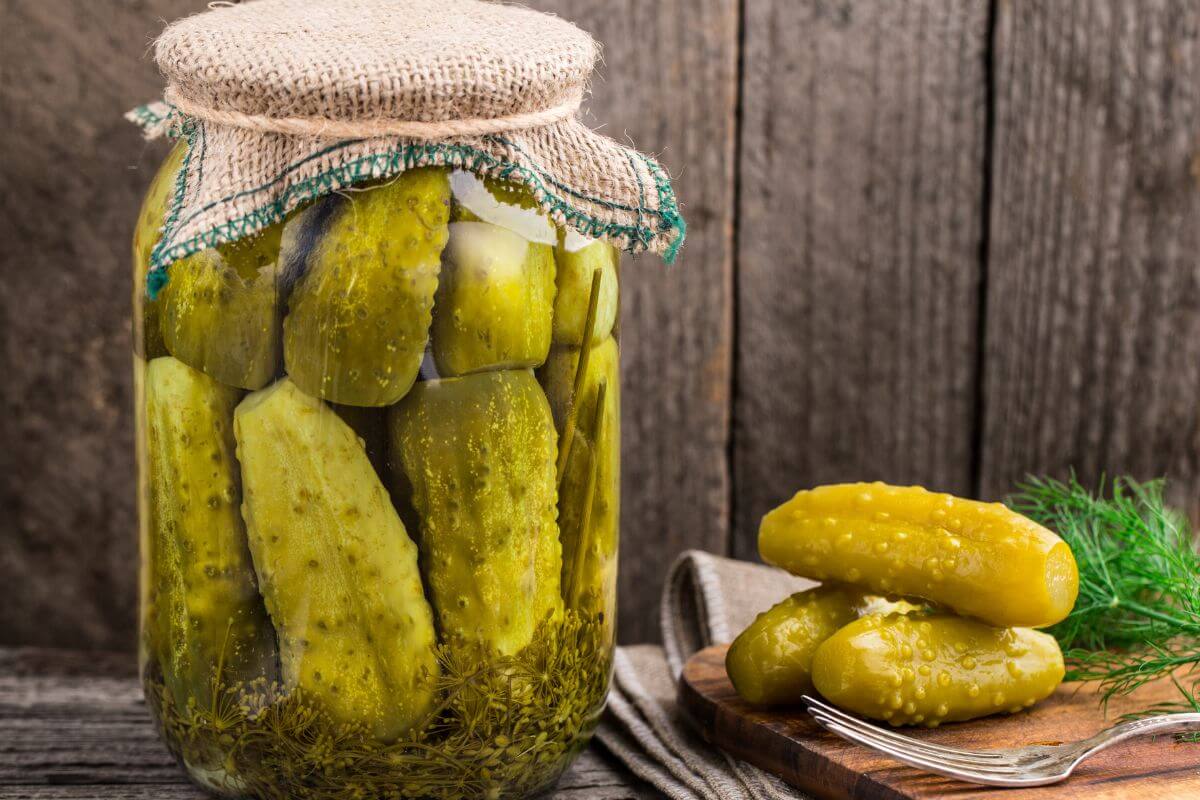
[926, 611]
[378, 438]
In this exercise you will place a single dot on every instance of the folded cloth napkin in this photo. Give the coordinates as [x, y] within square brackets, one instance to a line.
[707, 600]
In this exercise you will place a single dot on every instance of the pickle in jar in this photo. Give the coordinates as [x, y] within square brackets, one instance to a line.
[147, 325]
[930, 669]
[360, 308]
[477, 453]
[337, 568]
[202, 603]
[770, 662]
[221, 310]
[978, 559]
[580, 261]
[494, 302]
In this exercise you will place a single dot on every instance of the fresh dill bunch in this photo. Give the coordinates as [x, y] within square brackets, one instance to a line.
[1137, 618]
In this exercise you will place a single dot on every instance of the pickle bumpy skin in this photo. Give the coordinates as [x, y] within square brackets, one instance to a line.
[578, 260]
[147, 326]
[221, 311]
[359, 314]
[495, 301]
[926, 670]
[770, 662]
[478, 453]
[203, 607]
[979, 559]
[337, 569]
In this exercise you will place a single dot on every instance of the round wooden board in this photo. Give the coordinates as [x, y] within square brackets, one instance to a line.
[789, 744]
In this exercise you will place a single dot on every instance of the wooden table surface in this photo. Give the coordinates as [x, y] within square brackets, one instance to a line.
[73, 725]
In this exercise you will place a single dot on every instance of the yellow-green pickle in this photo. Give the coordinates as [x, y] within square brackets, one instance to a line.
[492, 563]
[335, 564]
[770, 663]
[979, 559]
[495, 301]
[380, 550]
[358, 316]
[221, 310]
[926, 670]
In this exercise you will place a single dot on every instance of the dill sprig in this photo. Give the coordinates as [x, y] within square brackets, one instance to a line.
[1137, 618]
[505, 725]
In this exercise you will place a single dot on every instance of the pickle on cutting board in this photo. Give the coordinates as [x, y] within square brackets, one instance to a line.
[478, 453]
[147, 327]
[770, 662]
[579, 259]
[221, 310]
[495, 301]
[203, 607]
[930, 669]
[337, 569]
[978, 559]
[359, 312]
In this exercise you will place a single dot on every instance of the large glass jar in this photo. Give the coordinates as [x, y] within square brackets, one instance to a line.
[379, 457]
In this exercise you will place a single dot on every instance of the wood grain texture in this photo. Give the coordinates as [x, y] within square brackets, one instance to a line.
[668, 85]
[790, 744]
[74, 725]
[858, 248]
[72, 173]
[1093, 314]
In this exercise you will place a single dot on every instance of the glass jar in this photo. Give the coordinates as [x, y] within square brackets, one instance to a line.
[379, 476]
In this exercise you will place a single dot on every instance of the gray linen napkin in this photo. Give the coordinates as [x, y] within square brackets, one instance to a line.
[707, 600]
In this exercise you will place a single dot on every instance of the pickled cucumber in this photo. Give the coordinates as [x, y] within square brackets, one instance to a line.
[925, 670]
[147, 327]
[359, 314]
[203, 607]
[578, 259]
[979, 559]
[337, 569]
[770, 661]
[221, 310]
[495, 301]
[478, 452]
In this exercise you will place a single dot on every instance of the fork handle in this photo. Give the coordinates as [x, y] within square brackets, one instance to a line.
[1164, 723]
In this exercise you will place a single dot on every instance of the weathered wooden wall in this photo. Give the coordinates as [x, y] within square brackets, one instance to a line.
[1092, 352]
[936, 241]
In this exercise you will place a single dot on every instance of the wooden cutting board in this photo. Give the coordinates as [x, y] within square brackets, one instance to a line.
[792, 746]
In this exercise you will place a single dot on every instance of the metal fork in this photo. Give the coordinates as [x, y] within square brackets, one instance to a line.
[1035, 765]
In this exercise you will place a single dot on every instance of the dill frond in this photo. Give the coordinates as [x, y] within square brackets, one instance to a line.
[1137, 618]
[505, 726]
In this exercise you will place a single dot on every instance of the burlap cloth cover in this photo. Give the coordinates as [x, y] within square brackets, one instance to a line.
[282, 101]
[707, 600]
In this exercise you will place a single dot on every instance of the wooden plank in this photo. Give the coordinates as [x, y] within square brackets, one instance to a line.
[860, 222]
[669, 85]
[70, 732]
[790, 744]
[72, 173]
[1093, 313]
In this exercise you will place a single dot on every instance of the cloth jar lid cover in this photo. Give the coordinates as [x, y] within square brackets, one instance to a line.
[282, 101]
